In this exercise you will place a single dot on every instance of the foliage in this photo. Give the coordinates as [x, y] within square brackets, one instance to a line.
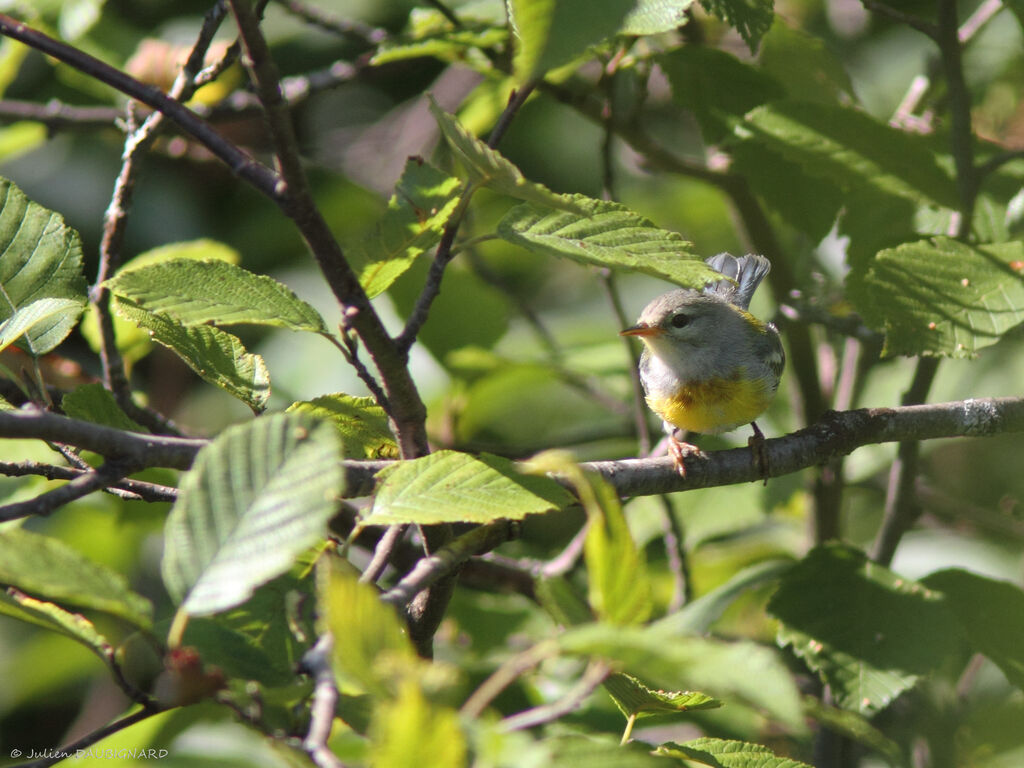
[300, 570]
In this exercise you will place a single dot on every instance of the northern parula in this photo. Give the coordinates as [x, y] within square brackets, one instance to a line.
[708, 365]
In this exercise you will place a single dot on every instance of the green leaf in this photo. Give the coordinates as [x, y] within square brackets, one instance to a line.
[854, 150]
[198, 292]
[45, 322]
[716, 87]
[486, 166]
[48, 569]
[723, 753]
[751, 18]
[257, 496]
[697, 616]
[634, 698]
[606, 235]
[217, 356]
[853, 726]
[652, 17]
[563, 603]
[17, 605]
[744, 670]
[410, 727]
[95, 403]
[551, 33]
[40, 258]
[239, 656]
[371, 649]
[431, 34]
[804, 65]
[451, 487]
[941, 296]
[201, 249]
[619, 587]
[362, 423]
[424, 200]
[888, 632]
[990, 614]
[598, 751]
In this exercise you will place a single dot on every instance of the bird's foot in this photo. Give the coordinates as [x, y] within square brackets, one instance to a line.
[680, 450]
[757, 445]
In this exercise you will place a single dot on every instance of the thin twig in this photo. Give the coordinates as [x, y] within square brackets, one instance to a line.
[675, 552]
[238, 161]
[47, 502]
[353, 30]
[914, 22]
[138, 488]
[89, 739]
[56, 115]
[593, 676]
[317, 662]
[382, 554]
[445, 11]
[504, 676]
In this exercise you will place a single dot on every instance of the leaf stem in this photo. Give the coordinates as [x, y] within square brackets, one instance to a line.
[630, 722]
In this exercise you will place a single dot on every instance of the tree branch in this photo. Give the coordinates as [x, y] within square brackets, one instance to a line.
[138, 488]
[317, 662]
[89, 739]
[238, 161]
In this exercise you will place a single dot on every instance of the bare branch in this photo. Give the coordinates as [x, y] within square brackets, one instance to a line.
[56, 115]
[133, 448]
[330, 23]
[238, 161]
[317, 662]
[89, 739]
[46, 503]
[137, 488]
[593, 676]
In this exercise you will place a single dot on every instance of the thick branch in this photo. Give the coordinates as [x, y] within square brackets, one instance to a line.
[133, 448]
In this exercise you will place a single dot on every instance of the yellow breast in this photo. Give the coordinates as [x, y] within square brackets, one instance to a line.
[715, 405]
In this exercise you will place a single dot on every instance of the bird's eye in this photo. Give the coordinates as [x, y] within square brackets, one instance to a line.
[679, 321]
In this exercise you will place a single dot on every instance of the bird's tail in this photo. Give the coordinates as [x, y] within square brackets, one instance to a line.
[748, 272]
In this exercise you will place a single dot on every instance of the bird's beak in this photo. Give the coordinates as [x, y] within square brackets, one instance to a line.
[642, 330]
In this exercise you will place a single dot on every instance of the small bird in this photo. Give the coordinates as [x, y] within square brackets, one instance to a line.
[708, 365]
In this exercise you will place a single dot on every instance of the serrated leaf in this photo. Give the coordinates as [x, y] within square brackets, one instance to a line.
[751, 18]
[652, 17]
[202, 249]
[868, 632]
[424, 200]
[217, 356]
[724, 753]
[854, 150]
[40, 258]
[49, 569]
[198, 292]
[95, 403]
[371, 649]
[44, 322]
[744, 670]
[716, 87]
[487, 166]
[239, 656]
[606, 235]
[634, 698]
[17, 605]
[941, 296]
[990, 614]
[257, 496]
[362, 423]
[409, 727]
[451, 487]
[551, 33]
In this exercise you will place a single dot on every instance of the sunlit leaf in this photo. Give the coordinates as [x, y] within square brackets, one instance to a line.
[40, 258]
[371, 648]
[486, 166]
[751, 18]
[723, 753]
[941, 296]
[550, 33]
[634, 698]
[49, 569]
[606, 235]
[257, 496]
[362, 423]
[202, 249]
[197, 292]
[45, 322]
[406, 729]
[651, 17]
[449, 487]
[17, 605]
[217, 356]
[424, 200]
